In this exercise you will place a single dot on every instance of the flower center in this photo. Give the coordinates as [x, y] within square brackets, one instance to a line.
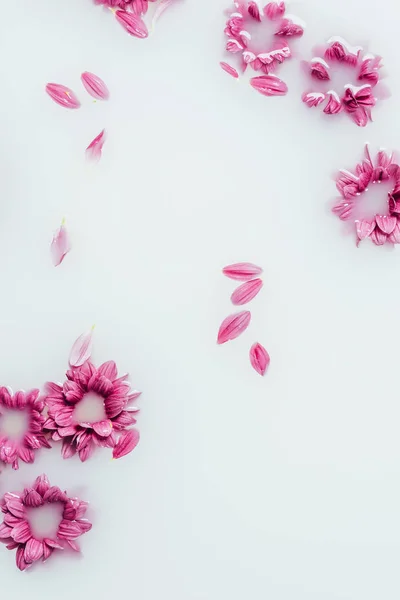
[90, 409]
[341, 75]
[14, 424]
[45, 520]
[262, 34]
[374, 200]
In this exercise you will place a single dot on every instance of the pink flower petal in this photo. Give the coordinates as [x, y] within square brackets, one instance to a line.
[62, 95]
[68, 530]
[103, 428]
[319, 70]
[233, 326]
[19, 558]
[378, 237]
[269, 85]
[60, 245]
[41, 484]
[94, 150]
[313, 98]
[334, 104]
[228, 69]
[246, 292]
[33, 550]
[233, 46]
[21, 533]
[386, 223]
[259, 358]
[364, 228]
[290, 29]
[242, 271]
[95, 86]
[32, 498]
[132, 23]
[127, 442]
[161, 8]
[81, 350]
[394, 237]
[254, 11]
[274, 10]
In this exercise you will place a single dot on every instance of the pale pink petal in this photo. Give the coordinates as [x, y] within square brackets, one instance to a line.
[259, 358]
[132, 23]
[233, 326]
[290, 29]
[394, 237]
[53, 544]
[33, 550]
[127, 442]
[364, 228]
[274, 10]
[228, 69]
[103, 428]
[313, 98]
[269, 85]
[81, 350]
[73, 545]
[246, 292]
[242, 271]
[62, 95]
[95, 86]
[386, 223]
[60, 245]
[94, 150]
[47, 552]
[254, 11]
[161, 8]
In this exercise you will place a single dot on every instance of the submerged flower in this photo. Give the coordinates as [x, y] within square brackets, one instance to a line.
[358, 96]
[21, 423]
[16, 531]
[110, 397]
[381, 228]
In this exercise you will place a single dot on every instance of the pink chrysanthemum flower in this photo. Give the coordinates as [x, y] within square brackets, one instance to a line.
[359, 74]
[260, 37]
[385, 226]
[21, 423]
[16, 529]
[102, 391]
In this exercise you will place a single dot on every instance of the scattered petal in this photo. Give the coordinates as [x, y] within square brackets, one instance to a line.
[132, 23]
[95, 86]
[127, 442]
[228, 69]
[246, 292]
[94, 150]
[161, 8]
[233, 326]
[259, 358]
[60, 245]
[62, 95]
[242, 271]
[82, 349]
[269, 85]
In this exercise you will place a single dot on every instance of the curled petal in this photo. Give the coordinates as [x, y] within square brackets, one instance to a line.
[269, 85]
[81, 350]
[233, 326]
[289, 29]
[274, 10]
[334, 104]
[248, 57]
[386, 223]
[127, 442]
[259, 358]
[132, 23]
[95, 86]
[319, 69]
[254, 11]
[246, 292]
[364, 228]
[313, 98]
[94, 150]
[161, 8]
[60, 245]
[369, 70]
[228, 69]
[21, 533]
[234, 46]
[54, 494]
[242, 271]
[62, 95]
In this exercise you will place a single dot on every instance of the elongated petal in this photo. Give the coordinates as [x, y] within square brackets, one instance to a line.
[95, 86]
[230, 70]
[161, 8]
[242, 271]
[259, 358]
[269, 85]
[82, 349]
[19, 558]
[60, 245]
[95, 148]
[132, 23]
[62, 95]
[254, 11]
[233, 326]
[127, 442]
[246, 292]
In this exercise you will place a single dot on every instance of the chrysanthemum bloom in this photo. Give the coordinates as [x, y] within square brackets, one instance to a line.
[356, 93]
[102, 391]
[16, 529]
[256, 44]
[21, 423]
[385, 226]
[138, 7]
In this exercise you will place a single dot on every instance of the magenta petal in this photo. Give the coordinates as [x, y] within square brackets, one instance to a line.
[5, 531]
[394, 237]
[103, 428]
[19, 558]
[259, 358]
[378, 237]
[95, 148]
[41, 484]
[269, 85]
[32, 498]
[68, 529]
[81, 350]
[21, 533]
[127, 442]
[233, 326]
[95, 86]
[228, 69]
[274, 10]
[109, 370]
[242, 271]
[132, 23]
[60, 245]
[246, 292]
[68, 449]
[254, 11]
[33, 550]
[62, 95]
[386, 223]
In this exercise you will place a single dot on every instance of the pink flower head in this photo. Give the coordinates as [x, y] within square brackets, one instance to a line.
[21, 423]
[382, 227]
[358, 95]
[16, 532]
[114, 414]
[270, 47]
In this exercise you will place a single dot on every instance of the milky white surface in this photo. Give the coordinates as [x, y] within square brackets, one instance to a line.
[285, 487]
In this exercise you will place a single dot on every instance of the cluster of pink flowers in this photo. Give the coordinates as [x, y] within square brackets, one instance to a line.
[16, 533]
[235, 324]
[357, 97]
[381, 228]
